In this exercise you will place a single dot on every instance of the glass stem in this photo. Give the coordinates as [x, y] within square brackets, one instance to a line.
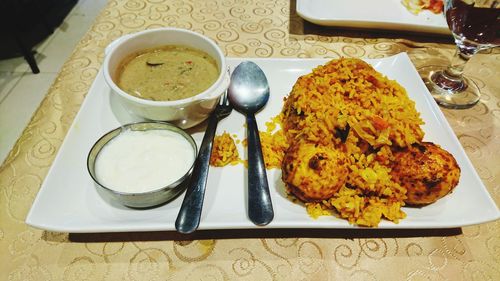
[457, 65]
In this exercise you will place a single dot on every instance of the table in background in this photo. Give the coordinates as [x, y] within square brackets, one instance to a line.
[245, 29]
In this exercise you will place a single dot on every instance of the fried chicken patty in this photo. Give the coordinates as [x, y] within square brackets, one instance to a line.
[427, 171]
[314, 172]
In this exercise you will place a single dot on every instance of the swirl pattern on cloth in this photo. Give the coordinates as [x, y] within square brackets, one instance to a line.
[244, 28]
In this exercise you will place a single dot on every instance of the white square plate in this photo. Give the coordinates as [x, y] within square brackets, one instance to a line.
[372, 14]
[68, 200]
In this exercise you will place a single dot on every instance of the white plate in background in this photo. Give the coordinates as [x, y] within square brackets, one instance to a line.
[371, 14]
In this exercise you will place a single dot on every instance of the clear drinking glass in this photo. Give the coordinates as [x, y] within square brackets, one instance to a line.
[475, 25]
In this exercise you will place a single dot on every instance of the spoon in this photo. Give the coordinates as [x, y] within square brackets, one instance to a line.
[248, 92]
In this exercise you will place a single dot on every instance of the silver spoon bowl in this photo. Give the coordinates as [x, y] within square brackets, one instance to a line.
[248, 92]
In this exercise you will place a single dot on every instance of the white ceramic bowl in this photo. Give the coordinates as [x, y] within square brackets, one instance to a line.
[184, 113]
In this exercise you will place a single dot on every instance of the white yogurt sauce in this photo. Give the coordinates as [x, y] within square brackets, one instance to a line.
[141, 161]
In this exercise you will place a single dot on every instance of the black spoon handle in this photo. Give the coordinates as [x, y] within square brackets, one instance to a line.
[260, 207]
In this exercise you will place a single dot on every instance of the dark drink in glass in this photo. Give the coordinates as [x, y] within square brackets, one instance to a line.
[480, 25]
[475, 25]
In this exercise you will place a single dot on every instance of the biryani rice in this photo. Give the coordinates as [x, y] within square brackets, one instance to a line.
[348, 95]
[224, 151]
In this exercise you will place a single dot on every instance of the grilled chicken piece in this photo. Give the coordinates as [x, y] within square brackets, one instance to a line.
[427, 171]
[313, 172]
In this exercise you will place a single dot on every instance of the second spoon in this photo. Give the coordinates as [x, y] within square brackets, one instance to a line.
[248, 93]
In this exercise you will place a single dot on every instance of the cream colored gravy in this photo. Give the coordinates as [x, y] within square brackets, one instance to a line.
[167, 73]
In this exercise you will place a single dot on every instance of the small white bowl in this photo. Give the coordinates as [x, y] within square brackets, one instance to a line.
[184, 113]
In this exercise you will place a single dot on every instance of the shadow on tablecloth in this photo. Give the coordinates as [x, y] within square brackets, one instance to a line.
[263, 233]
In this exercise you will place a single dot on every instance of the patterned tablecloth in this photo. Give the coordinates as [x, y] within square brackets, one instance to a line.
[245, 28]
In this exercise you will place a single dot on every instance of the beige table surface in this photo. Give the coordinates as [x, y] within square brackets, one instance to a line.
[245, 28]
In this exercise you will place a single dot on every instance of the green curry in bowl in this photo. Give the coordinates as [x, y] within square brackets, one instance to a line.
[167, 73]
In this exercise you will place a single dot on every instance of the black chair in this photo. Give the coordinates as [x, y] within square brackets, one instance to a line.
[25, 23]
